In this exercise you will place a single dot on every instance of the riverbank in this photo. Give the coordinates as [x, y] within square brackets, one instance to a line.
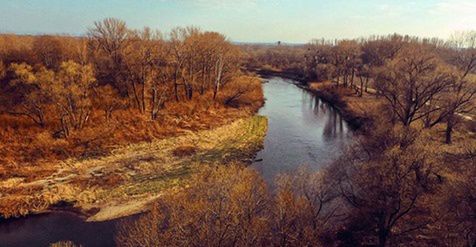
[352, 111]
[128, 180]
[356, 109]
[267, 73]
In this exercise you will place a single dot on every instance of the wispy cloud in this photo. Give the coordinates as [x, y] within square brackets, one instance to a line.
[455, 7]
[460, 14]
[225, 4]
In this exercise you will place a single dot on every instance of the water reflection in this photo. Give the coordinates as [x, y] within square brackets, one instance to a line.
[303, 130]
[42, 230]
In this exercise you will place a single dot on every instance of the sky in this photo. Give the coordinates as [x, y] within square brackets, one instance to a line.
[293, 21]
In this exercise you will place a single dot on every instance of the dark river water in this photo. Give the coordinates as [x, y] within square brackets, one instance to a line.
[42, 230]
[303, 130]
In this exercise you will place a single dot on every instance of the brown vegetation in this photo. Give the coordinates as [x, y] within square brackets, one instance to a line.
[64, 97]
[389, 189]
[127, 180]
[428, 81]
[399, 184]
[231, 206]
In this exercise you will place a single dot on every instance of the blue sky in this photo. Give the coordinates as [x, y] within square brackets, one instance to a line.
[248, 20]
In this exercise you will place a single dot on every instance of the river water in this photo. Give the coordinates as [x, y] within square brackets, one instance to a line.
[302, 130]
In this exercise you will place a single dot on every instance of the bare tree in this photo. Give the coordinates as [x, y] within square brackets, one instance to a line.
[108, 42]
[463, 88]
[385, 181]
[410, 82]
[49, 51]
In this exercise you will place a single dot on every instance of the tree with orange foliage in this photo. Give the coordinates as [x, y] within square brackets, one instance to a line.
[107, 99]
[225, 207]
[71, 89]
[49, 51]
[32, 97]
[142, 61]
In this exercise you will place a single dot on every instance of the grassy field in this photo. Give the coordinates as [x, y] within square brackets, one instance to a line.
[131, 177]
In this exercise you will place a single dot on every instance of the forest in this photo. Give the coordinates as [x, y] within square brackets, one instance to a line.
[79, 96]
[407, 179]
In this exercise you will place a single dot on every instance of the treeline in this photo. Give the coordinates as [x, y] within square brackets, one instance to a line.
[428, 80]
[64, 85]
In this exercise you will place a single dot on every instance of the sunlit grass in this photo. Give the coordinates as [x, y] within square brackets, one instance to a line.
[143, 170]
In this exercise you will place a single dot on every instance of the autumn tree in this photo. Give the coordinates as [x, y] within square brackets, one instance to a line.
[205, 55]
[31, 97]
[410, 82]
[304, 208]
[376, 51]
[107, 99]
[71, 92]
[454, 207]
[49, 51]
[3, 70]
[142, 62]
[108, 40]
[239, 91]
[348, 53]
[319, 61]
[225, 207]
[462, 91]
[386, 181]
[177, 39]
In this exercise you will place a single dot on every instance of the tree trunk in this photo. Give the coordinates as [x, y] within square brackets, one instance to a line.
[136, 96]
[219, 70]
[143, 106]
[153, 111]
[352, 78]
[383, 233]
[176, 85]
[449, 128]
[382, 239]
[361, 86]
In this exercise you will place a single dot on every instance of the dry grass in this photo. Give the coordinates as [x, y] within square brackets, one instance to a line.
[134, 173]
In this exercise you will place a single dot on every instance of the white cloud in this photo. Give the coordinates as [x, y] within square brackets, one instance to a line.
[458, 14]
[220, 4]
[455, 7]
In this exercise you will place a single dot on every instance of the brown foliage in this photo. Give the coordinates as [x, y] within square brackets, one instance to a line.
[224, 207]
[86, 96]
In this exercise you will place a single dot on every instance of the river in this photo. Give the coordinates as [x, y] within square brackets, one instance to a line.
[302, 130]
